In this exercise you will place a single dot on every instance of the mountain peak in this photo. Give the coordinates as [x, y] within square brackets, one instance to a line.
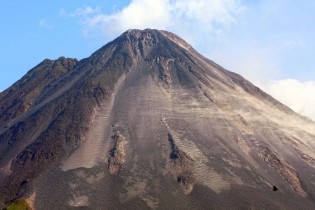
[138, 32]
[153, 35]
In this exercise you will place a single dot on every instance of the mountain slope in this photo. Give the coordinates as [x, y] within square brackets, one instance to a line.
[18, 98]
[148, 122]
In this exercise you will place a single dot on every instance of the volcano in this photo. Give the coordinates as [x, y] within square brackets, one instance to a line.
[146, 122]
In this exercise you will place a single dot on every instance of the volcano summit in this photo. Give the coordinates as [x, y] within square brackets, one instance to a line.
[146, 122]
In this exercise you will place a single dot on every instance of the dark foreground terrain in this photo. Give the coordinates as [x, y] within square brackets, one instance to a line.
[146, 122]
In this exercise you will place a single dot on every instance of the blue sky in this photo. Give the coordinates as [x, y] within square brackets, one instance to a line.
[268, 42]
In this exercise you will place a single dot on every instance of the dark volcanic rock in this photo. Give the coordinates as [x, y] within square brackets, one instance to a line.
[181, 166]
[116, 155]
[148, 122]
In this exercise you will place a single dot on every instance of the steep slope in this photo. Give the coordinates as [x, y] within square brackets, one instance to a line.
[147, 122]
[20, 96]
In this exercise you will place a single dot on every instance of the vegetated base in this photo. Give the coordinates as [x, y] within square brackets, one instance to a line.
[19, 204]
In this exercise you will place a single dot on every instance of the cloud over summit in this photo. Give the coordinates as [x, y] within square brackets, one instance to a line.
[261, 39]
[190, 19]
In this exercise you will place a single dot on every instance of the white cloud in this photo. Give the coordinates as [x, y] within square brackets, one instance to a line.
[192, 20]
[84, 11]
[138, 14]
[298, 95]
[44, 24]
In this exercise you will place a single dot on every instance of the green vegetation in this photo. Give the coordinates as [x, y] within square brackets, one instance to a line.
[19, 204]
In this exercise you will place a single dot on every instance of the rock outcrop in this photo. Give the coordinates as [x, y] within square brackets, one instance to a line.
[283, 168]
[116, 155]
[181, 166]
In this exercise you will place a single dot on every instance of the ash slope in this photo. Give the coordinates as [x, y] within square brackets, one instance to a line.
[147, 122]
